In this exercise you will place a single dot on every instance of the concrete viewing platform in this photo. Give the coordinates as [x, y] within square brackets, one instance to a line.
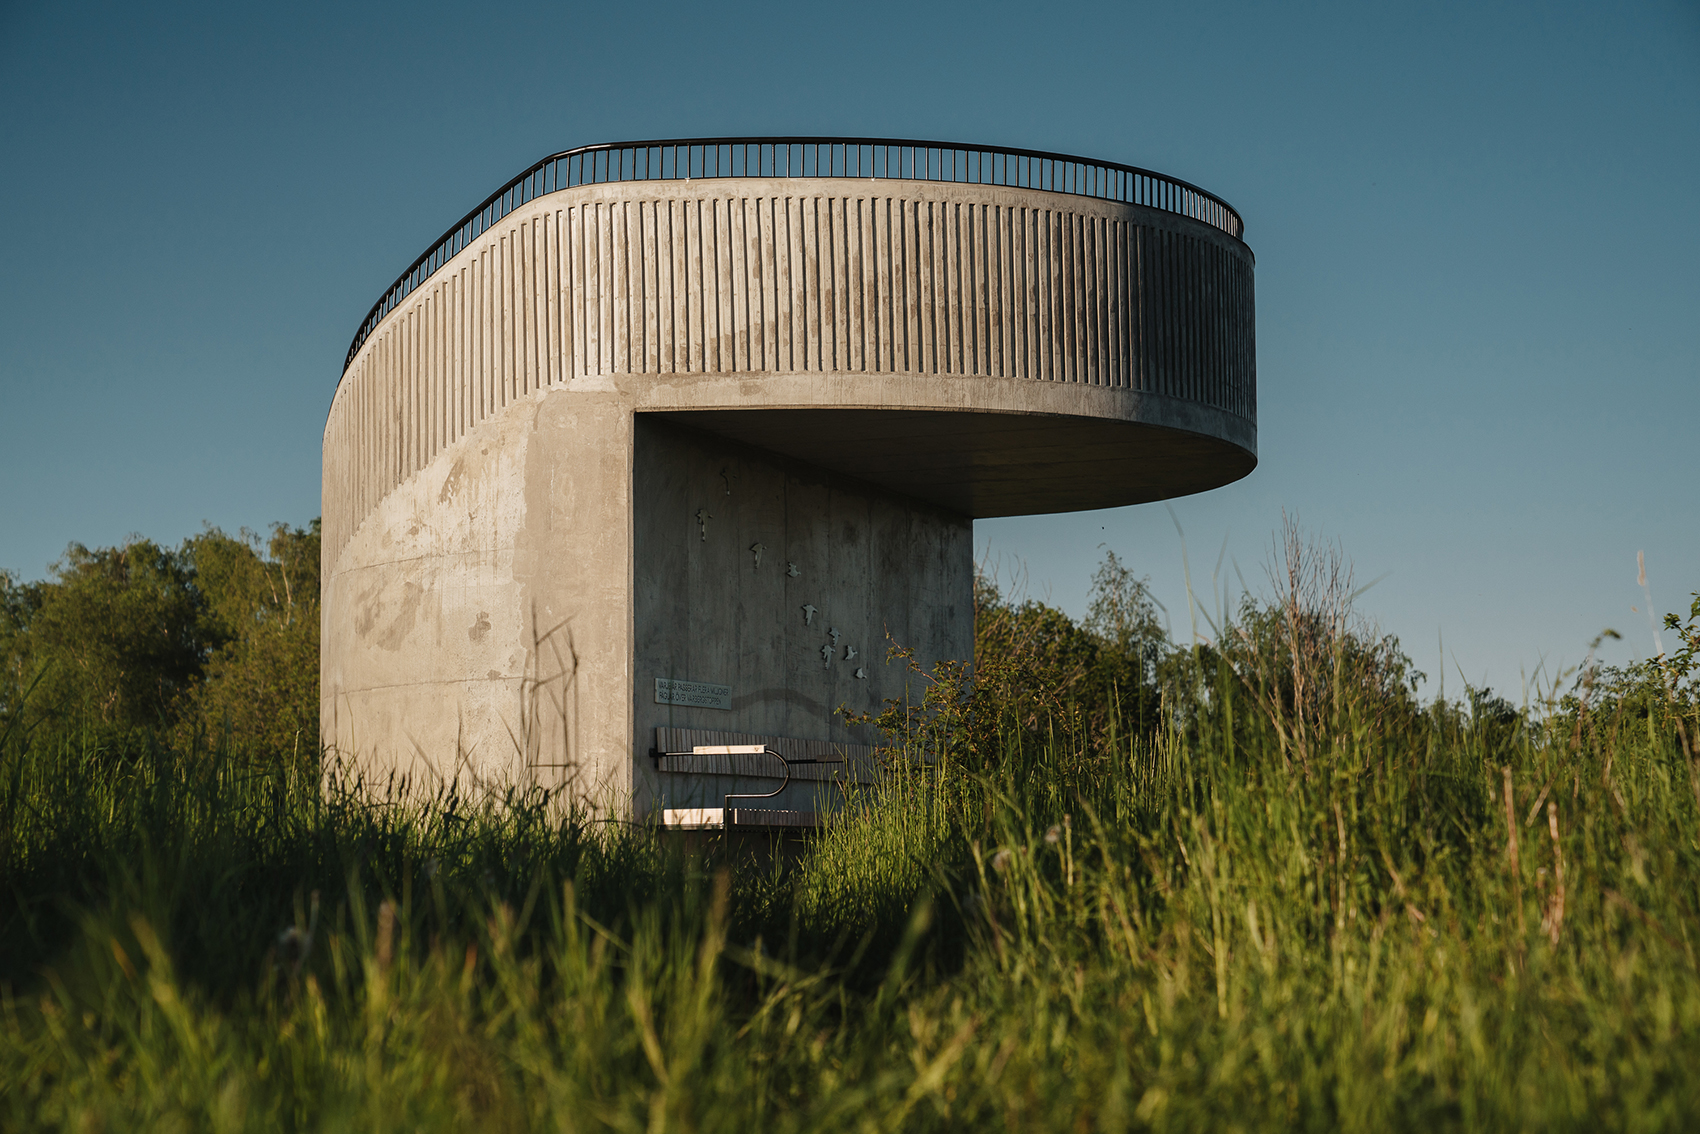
[653, 450]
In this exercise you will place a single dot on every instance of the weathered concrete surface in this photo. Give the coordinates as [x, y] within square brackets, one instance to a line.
[478, 626]
[498, 510]
[801, 633]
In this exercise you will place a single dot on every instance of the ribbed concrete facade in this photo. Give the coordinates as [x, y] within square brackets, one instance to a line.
[507, 544]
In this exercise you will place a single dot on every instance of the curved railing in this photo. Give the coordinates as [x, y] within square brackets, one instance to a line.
[894, 159]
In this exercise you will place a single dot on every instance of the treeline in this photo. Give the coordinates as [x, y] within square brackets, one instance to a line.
[1300, 658]
[212, 646]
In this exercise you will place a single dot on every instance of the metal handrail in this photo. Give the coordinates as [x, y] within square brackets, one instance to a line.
[893, 159]
[745, 750]
[726, 802]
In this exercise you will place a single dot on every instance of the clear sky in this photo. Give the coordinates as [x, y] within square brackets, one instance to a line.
[1475, 228]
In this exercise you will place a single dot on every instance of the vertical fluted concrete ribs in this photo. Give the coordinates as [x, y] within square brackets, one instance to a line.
[941, 282]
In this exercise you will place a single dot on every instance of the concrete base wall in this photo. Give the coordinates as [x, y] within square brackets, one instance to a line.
[478, 625]
[502, 617]
[845, 570]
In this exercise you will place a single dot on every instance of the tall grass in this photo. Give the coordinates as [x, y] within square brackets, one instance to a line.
[1303, 902]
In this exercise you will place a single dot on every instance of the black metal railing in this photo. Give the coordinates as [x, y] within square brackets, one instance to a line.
[894, 159]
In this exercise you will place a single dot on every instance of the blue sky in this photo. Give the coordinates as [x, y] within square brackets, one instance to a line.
[1478, 296]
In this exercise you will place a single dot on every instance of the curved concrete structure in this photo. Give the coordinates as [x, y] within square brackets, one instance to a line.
[732, 431]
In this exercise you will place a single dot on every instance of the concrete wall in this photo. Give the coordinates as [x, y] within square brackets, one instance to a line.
[479, 623]
[869, 562]
[882, 361]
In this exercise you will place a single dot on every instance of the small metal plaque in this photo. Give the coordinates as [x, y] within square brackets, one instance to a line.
[696, 694]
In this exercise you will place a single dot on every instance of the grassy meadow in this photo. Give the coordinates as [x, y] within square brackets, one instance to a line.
[1110, 882]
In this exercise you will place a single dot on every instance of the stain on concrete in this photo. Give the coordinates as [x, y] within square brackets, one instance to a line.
[481, 627]
[784, 696]
[367, 607]
[452, 482]
[402, 624]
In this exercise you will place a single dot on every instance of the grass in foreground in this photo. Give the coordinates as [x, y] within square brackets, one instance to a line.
[1278, 911]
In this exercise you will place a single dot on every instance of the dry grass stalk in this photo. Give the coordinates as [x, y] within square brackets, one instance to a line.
[1554, 919]
[386, 934]
[1511, 849]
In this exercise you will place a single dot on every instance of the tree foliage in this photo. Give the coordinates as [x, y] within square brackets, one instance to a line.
[1309, 661]
[114, 640]
[1657, 696]
[1039, 672]
[135, 644]
[260, 690]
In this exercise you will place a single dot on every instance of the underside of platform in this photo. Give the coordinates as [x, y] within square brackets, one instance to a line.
[991, 464]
